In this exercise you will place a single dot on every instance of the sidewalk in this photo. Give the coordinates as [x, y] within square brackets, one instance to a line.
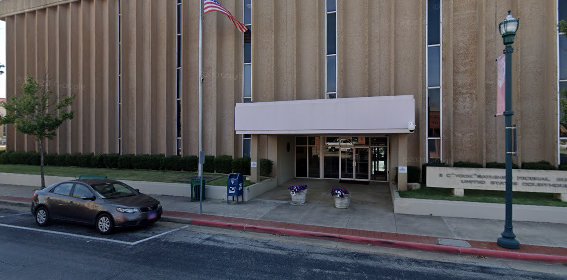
[540, 241]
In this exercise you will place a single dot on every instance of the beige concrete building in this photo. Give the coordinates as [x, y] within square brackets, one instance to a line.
[321, 87]
[2, 127]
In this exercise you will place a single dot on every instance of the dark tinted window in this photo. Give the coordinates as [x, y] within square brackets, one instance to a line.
[331, 33]
[82, 191]
[248, 45]
[331, 73]
[434, 113]
[63, 189]
[562, 9]
[433, 67]
[247, 11]
[331, 5]
[114, 189]
[562, 58]
[433, 19]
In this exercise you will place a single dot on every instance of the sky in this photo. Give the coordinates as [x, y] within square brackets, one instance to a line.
[3, 58]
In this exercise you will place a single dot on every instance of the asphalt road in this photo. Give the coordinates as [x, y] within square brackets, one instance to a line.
[176, 251]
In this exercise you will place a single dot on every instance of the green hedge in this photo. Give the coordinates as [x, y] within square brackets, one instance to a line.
[500, 165]
[266, 166]
[467, 164]
[223, 164]
[149, 162]
[209, 165]
[241, 165]
[414, 173]
[540, 165]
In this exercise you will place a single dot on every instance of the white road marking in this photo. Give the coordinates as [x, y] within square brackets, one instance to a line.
[158, 235]
[92, 237]
[68, 234]
[12, 215]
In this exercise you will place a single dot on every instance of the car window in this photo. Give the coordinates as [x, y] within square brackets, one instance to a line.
[114, 189]
[82, 191]
[63, 189]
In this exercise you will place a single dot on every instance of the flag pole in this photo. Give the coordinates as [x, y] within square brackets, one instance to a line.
[201, 152]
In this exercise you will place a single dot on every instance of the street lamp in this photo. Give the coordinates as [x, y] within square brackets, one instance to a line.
[508, 28]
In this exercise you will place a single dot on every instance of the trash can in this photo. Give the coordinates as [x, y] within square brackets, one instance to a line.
[235, 187]
[196, 188]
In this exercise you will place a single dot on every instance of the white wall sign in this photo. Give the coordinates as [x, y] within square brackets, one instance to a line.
[544, 181]
[402, 169]
[253, 164]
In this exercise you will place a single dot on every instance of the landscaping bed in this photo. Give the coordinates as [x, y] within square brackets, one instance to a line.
[523, 198]
[217, 179]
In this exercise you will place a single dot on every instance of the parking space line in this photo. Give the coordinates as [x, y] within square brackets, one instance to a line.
[158, 235]
[69, 234]
[12, 215]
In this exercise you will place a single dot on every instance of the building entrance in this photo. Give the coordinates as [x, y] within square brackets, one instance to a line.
[343, 157]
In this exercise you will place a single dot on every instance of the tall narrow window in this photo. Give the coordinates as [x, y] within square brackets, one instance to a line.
[562, 85]
[119, 87]
[247, 70]
[179, 80]
[434, 82]
[331, 49]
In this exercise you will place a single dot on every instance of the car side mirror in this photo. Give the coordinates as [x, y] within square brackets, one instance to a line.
[138, 190]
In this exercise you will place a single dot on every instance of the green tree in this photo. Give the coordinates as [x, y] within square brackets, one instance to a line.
[37, 112]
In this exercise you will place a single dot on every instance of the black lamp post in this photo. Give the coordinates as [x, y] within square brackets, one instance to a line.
[508, 28]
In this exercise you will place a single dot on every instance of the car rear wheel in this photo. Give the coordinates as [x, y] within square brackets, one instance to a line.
[41, 216]
[104, 224]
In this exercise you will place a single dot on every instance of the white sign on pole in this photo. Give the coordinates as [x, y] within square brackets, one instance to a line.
[253, 164]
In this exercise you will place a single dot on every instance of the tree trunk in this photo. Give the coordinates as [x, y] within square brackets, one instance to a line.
[41, 152]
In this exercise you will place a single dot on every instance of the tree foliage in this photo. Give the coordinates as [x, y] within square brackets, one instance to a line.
[37, 112]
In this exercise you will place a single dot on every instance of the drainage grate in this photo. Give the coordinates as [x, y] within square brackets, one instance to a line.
[453, 243]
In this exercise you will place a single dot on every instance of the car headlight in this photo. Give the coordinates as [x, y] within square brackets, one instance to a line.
[127, 210]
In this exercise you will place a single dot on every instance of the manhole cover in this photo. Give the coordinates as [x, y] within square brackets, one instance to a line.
[453, 243]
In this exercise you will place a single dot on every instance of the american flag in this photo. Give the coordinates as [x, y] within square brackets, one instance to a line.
[214, 6]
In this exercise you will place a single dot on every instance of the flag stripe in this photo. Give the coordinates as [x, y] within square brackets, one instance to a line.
[211, 6]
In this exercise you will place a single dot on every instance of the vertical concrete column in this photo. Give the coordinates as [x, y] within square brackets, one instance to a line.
[402, 162]
[255, 167]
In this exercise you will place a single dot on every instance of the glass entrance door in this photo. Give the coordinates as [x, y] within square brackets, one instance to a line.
[355, 163]
[361, 166]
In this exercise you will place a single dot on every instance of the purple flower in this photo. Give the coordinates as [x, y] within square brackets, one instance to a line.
[339, 192]
[297, 188]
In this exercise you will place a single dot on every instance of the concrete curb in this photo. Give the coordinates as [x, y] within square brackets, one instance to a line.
[375, 241]
[14, 203]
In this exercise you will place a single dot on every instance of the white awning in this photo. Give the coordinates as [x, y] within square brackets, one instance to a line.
[362, 115]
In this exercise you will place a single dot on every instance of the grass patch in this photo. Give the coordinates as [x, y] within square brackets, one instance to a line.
[524, 198]
[118, 174]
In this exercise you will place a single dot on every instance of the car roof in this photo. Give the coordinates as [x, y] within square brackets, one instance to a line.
[92, 182]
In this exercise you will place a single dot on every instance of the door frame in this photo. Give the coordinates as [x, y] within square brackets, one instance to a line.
[354, 152]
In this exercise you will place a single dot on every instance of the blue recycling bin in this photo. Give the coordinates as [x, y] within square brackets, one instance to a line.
[235, 187]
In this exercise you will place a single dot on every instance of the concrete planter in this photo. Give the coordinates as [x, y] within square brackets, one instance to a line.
[298, 198]
[342, 202]
[476, 210]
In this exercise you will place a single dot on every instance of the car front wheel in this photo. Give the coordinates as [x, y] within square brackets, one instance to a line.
[42, 216]
[104, 224]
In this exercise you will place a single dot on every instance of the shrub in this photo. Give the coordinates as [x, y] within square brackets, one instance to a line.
[190, 163]
[540, 165]
[223, 164]
[97, 161]
[84, 160]
[3, 157]
[50, 159]
[413, 174]
[209, 165]
[467, 164]
[110, 160]
[500, 165]
[424, 169]
[266, 166]
[562, 167]
[125, 161]
[172, 163]
[241, 165]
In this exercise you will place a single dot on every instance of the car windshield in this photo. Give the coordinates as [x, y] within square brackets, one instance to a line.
[114, 190]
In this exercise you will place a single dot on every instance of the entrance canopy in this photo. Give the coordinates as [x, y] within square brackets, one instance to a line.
[361, 115]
